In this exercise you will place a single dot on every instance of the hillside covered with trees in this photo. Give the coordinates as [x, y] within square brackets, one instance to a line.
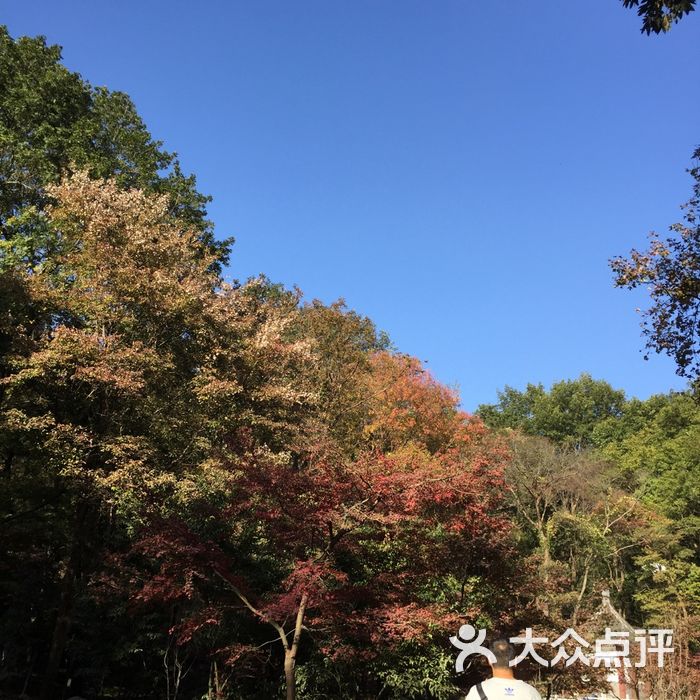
[214, 489]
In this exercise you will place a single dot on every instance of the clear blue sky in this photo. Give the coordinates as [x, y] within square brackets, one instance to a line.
[459, 171]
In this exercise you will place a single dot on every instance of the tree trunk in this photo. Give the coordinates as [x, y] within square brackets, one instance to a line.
[289, 675]
[544, 536]
[60, 630]
[582, 592]
[64, 615]
[290, 652]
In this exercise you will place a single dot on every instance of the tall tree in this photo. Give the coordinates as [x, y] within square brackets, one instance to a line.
[352, 551]
[363, 556]
[52, 121]
[126, 360]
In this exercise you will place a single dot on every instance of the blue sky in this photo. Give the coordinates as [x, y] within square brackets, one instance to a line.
[459, 171]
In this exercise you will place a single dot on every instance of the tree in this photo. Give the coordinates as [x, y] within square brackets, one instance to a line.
[143, 398]
[671, 270]
[657, 460]
[354, 553]
[660, 460]
[126, 361]
[53, 122]
[348, 558]
[343, 344]
[408, 406]
[569, 413]
[659, 15]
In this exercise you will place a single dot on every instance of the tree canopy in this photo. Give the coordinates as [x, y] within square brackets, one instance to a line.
[221, 490]
[52, 121]
[659, 15]
[570, 413]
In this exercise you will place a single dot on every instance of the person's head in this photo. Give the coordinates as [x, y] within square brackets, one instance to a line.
[503, 651]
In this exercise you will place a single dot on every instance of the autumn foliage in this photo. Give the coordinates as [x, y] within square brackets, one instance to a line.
[184, 423]
[220, 489]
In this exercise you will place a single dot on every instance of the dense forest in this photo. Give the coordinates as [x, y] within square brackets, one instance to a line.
[213, 489]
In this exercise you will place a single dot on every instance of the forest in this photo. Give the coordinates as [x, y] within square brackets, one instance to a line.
[224, 490]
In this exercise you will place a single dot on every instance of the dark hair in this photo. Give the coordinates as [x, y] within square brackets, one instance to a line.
[503, 651]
